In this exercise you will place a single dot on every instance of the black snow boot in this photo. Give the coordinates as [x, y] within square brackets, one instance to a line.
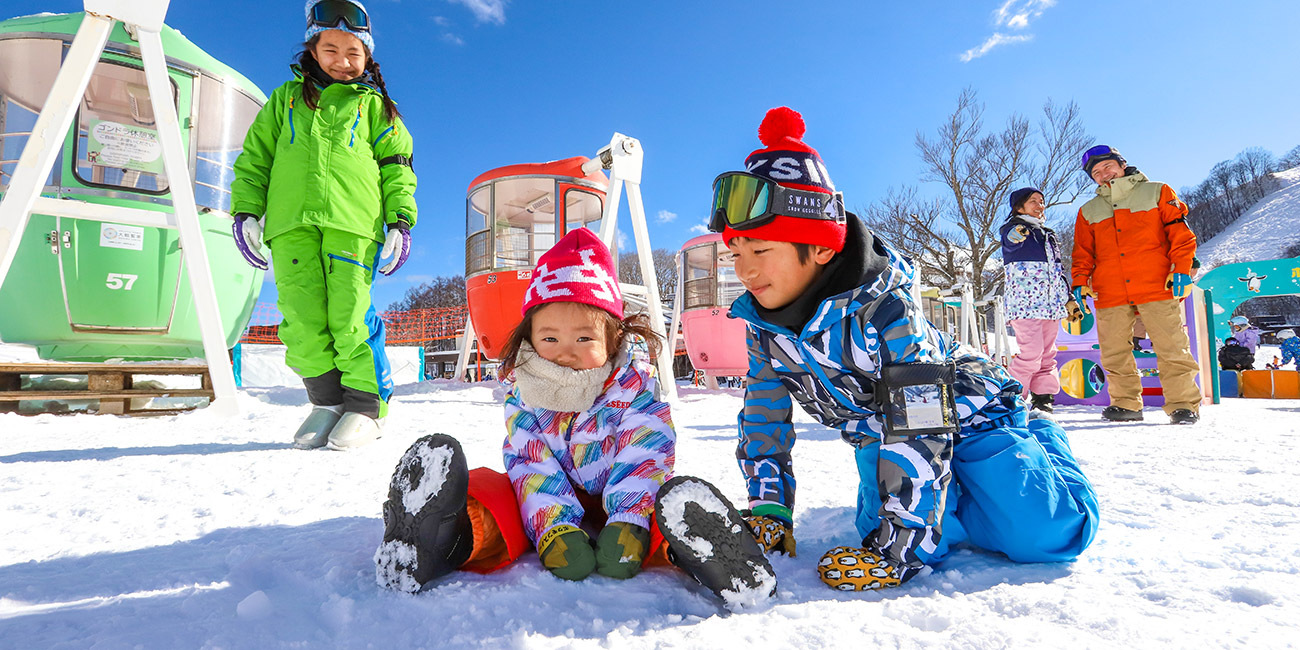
[1044, 403]
[427, 531]
[708, 539]
[1117, 414]
[1184, 416]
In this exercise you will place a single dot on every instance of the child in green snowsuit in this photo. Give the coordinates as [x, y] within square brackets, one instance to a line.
[325, 178]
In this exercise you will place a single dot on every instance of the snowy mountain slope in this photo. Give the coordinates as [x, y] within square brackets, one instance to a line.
[1263, 232]
[193, 532]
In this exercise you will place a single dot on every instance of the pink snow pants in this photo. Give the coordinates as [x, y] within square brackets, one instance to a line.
[1035, 365]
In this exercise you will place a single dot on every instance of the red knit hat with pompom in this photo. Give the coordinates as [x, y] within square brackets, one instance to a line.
[579, 268]
[788, 161]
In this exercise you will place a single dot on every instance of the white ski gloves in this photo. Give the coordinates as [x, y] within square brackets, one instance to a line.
[248, 239]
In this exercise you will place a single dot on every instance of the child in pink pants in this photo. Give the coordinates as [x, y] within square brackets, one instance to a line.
[1036, 293]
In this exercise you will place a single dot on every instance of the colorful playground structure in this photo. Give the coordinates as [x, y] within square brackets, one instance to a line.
[1083, 380]
[1229, 286]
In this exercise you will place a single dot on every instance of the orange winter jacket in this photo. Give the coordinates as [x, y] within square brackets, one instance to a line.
[1129, 239]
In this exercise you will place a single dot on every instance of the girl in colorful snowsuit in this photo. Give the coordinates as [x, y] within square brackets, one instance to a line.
[325, 179]
[589, 445]
[1037, 293]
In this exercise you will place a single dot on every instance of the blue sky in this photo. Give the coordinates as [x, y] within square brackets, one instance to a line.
[1177, 86]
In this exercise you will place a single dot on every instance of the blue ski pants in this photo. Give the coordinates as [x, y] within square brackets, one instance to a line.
[1017, 490]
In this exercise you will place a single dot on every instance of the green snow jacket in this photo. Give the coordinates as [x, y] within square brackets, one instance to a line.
[303, 167]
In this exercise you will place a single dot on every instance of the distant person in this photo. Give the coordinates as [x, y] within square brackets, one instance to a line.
[832, 326]
[1290, 348]
[325, 179]
[1245, 333]
[1133, 247]
[1234, 356]
[589, 446]
[1037, 296]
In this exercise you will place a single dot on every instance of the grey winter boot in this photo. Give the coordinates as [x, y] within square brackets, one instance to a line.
[314, 432]
[354, 430]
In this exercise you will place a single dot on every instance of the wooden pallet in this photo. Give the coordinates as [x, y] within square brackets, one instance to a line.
[112, 384]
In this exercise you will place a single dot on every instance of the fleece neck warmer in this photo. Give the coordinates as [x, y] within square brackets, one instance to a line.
[548, 385]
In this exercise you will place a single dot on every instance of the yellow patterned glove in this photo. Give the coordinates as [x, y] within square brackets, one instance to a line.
[857, 569]
[772, 534]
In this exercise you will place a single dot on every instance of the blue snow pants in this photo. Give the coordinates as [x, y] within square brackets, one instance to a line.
[1017, 490]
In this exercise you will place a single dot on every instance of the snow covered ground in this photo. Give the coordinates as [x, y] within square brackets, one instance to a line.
[1263, 231]
[194, 532]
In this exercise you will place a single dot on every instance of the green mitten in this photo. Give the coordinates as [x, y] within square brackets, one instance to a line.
[620, 548]
[566, 551]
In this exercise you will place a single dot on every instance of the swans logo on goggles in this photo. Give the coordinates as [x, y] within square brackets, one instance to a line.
[812, 206]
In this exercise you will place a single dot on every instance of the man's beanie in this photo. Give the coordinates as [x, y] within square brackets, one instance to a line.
[578, 268]
[1021, 195]
[789, 162]
[313, 30]
[1099, 153]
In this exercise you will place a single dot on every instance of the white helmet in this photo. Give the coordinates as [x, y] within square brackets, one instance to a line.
[1285, 334]
[1239, 320]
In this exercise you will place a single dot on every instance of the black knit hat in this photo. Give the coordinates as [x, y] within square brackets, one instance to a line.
[1021, 195]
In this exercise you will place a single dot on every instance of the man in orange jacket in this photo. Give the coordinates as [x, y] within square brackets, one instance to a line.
[1132, 245]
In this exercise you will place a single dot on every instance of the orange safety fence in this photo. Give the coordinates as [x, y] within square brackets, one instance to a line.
[411, 327]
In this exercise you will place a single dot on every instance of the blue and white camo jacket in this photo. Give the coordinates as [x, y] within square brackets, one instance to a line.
[831, 368]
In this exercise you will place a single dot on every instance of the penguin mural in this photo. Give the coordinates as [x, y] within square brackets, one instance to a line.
[1252, 281]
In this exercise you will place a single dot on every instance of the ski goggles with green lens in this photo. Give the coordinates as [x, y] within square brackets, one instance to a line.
[329, 13]
[742, 201]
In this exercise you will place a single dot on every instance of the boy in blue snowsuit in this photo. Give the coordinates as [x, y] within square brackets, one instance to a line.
[946, 452]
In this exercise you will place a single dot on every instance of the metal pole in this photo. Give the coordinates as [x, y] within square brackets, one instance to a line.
[195, 252]
[643, 251]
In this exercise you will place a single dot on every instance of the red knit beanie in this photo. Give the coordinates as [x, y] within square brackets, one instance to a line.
[789, 162]
[578, 268]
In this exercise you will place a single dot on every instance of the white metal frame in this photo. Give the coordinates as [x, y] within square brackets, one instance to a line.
[623, 158]
[145, 19]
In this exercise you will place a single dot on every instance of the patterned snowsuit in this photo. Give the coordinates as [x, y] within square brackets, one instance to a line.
[620, 450]
[1036, 293]
[1291, 351]
[1018, 489]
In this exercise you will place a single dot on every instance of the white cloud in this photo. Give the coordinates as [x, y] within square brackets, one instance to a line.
[441, 21]
[665, 216]
[701, 229]
[453, 39]
[622, 240]
[1012, 15]
[486, 11]
[993, 41]
[1016, 14]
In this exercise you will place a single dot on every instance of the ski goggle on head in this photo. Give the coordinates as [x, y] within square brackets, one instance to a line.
[329, 13]
[742, 201]
[1099, 153]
